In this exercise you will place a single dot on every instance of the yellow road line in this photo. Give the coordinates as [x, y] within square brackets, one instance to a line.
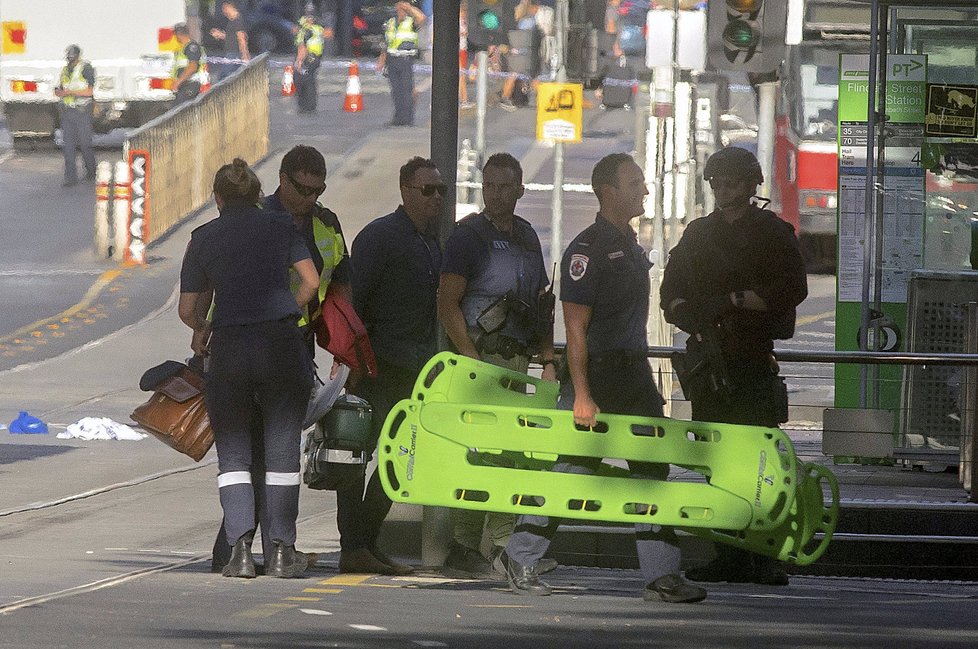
[809, 319]
[264, 610]
[104, 280]
[345, 580]
[328, 591]
[303, 599]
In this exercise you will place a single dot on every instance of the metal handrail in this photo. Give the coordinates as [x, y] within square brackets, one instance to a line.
[845, 357]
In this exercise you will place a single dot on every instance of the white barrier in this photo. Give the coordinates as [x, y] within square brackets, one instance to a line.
[120, 211]
[103, 181]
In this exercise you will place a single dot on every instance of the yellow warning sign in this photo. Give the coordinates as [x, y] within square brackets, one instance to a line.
[560, 112]
[14, 37]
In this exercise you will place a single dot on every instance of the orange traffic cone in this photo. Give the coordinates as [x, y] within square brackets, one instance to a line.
[288, 83]
[354, 94]
[205, 81]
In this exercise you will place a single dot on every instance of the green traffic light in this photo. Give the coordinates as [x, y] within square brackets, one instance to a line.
[740, 34]
[489, 20]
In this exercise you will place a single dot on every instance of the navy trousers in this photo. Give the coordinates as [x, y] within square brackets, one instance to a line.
[76, 131]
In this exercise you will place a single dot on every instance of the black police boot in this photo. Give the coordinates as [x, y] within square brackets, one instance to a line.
[673, 589]
[285, 562]
[523, 580]
[241, 564]
[466, 563]
[731, 565]
[768, 571]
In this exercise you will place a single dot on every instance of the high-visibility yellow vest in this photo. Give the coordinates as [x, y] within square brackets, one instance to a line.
[329, 243]
[401, 36]
[314, 33]
[180, 61]
[73, 80]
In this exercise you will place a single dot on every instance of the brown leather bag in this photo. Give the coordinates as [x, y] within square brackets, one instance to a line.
[176, 415]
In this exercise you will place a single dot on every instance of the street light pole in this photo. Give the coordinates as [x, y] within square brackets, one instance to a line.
[560, 75]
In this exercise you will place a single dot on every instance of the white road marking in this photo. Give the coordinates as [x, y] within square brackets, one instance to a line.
[314, 611]
[367, 627]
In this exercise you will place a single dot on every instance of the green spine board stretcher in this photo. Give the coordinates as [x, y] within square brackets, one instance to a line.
[468, 439]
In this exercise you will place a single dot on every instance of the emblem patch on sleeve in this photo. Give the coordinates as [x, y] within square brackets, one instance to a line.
[578, 266]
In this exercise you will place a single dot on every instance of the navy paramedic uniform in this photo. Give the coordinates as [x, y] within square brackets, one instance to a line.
[395, 272]
[607, 270]
[256, 355]
[336, 270]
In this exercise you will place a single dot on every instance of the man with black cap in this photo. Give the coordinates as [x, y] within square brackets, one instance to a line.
[75, 89]
[732, 283]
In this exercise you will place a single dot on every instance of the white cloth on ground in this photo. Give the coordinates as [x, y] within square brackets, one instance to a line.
[100, 428]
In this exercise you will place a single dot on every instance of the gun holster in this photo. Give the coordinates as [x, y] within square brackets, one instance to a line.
[702, 370]
[493, 317]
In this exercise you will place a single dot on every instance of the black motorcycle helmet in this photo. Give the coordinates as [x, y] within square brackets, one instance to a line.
[736, 162]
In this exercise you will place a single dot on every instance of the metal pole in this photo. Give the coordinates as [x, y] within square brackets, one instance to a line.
[444, 106]
[767, 96]
[481, 97]
[662, 107]
[436, 523]
[967, 399]
[870, 204]
[873, 391]
[557, 196]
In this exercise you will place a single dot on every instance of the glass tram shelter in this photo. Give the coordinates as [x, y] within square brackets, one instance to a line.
[907, 214]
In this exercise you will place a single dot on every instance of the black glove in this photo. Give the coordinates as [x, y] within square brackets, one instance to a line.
[698, 314]
[686, 316]
[712, 308]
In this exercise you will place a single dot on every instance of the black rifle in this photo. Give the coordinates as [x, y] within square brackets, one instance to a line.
[702, 367]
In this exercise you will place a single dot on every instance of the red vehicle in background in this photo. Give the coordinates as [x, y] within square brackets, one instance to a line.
[806, 160]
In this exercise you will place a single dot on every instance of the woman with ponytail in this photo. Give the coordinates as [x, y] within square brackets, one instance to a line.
[241, 262]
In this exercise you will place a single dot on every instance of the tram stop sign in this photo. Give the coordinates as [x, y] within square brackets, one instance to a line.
[560, 112]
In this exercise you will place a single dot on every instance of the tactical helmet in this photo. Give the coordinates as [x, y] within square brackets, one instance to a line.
[733, 161]
[72, 52]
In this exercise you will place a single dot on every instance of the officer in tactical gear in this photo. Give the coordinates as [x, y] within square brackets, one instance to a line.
[493, 283]
[733, 283]
[75, 89]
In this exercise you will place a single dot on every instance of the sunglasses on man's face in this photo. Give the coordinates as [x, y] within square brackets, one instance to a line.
[306, 190]
[430, 188]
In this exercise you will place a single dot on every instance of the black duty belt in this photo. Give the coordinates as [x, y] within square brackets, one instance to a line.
[500, 345]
